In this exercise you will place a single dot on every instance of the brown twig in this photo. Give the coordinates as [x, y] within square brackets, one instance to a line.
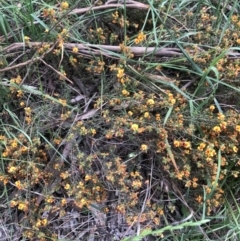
[17, 46]
[137, 51]
[95, 49]
[131, 4]
[91, 49]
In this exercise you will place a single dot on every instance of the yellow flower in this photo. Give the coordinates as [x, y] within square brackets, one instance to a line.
[146, 115]
[93, 132]
[18, 80]
[201, 146]
[14, 144]
[120, 73]
[62, 102]
[44, 222]
[237, 128]
[134, 127]
[136, 184]
[57, 141]
[64, 175]
[144, 147]
[115, 16]
[212, 108]
[38, 223]
[199, 199]
[235, 149]
[130, 113]
[12, 170]
[216, 129]
[22, 104]
[19, 185]
[150, 102]
[194, 182]
[64, 6]
[125, 92]
[223, 124]
[221, 116]
[23, 206]
[28, 111]
[188, 183]
[235, 173]
[67, 186]
[141, 37]
[75, 49]
[26, 38]
[210, 152]
[49, 199]
[208, 189]
[72, 60]
[172, 101]
[87, 177]
[158, 117]
[13, 203]
[5, 154]
[83, 201]
[19, 93]
[64, 201]
[28, 119]
[186, 144]
[176, 143]
[234, 18]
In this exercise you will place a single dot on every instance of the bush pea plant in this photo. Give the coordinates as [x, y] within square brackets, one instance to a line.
[120, 120]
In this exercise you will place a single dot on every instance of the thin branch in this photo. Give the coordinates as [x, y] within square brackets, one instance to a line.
[95, 49]
[58, 72]
[132, 4]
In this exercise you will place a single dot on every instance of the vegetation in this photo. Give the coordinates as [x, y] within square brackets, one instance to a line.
[120, 120]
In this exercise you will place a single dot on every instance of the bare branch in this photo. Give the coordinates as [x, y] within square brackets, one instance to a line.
[131, 4]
